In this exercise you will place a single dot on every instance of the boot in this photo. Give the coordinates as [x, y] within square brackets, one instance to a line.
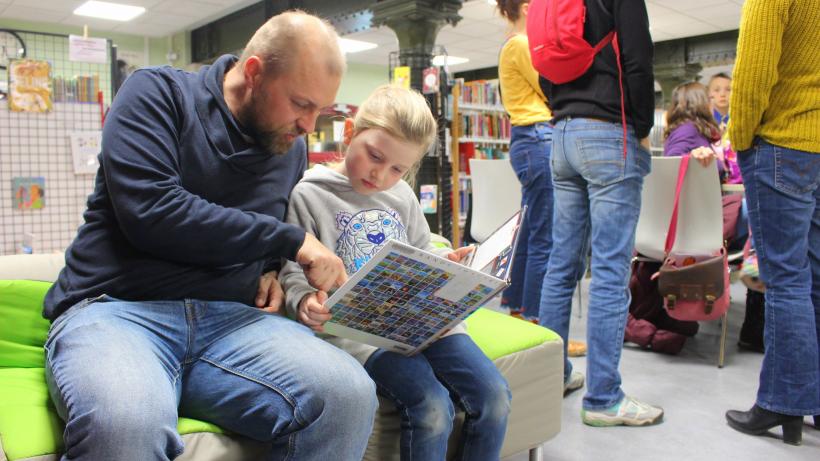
[751, 333]
[758, 421]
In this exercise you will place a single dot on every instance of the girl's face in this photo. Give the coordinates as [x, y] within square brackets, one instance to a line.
[376, 161]
[719, 91]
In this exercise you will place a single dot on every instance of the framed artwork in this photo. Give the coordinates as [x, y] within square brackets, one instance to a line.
[29, 85]
[28, 193]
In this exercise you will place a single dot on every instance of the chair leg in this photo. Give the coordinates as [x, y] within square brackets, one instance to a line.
[535, 453]
[723, 329]
[580, 300]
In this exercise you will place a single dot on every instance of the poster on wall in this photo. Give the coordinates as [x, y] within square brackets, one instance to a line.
[430, 80]
[28, 193]
[401, 76]
[428, 198]
[85, 147]
[29, 85]
[87, 49]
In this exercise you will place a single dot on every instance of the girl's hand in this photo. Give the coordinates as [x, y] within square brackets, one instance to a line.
[704, 155]
[312, 311]
[459, 254]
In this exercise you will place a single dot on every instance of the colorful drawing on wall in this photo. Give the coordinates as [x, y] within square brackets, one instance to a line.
[29, 85]
[85, 147]
[28, 193]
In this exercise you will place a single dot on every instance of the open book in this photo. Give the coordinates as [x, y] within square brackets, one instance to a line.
[404, 298]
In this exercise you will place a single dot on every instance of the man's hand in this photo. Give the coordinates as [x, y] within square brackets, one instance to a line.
[312, 311]
[459, 254]
[323, 269]
[269, 295]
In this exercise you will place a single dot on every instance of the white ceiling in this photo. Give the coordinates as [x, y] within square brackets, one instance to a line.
[477, 36]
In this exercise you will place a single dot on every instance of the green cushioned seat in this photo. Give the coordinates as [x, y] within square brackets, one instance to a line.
[29, 425]
[486, 327]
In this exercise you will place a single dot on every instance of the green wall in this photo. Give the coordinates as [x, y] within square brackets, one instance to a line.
[359, 81]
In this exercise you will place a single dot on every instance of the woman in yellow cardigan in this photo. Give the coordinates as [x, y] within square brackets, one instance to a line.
[530, 146]
[775, 128]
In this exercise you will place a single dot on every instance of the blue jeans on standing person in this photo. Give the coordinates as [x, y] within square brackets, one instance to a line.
[120, 373]
[783, 192]
[530, 158]
[597, 200]
[424, 388]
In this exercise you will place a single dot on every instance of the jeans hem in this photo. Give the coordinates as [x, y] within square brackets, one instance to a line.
[605, 407]
[787, 411]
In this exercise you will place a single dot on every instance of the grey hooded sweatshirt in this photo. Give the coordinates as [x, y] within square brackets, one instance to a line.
[355, 226]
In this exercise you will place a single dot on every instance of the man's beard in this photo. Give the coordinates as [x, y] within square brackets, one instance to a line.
[274, 141]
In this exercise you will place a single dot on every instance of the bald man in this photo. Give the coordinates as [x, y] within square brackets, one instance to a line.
[168, 301]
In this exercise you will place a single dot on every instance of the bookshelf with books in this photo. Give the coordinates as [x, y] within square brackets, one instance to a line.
[480, 129]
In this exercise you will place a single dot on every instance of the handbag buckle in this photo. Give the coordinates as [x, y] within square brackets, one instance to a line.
[670, 301]
[710, 304]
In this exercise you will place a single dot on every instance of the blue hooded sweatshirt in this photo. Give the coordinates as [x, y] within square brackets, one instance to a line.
[185, 205]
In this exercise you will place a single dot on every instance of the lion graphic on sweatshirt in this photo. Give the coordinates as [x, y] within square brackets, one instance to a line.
[363, 233]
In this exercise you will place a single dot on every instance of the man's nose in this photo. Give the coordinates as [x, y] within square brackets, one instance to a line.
[307, 122]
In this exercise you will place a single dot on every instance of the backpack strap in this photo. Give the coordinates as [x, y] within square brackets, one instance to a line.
[617, 49]
[673, 222]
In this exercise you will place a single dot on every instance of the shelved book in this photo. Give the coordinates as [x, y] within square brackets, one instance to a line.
[405, 298]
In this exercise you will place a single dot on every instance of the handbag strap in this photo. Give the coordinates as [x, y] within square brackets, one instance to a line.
[673, 222]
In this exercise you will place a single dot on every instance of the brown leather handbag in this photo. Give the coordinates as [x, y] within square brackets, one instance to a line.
[694, 287]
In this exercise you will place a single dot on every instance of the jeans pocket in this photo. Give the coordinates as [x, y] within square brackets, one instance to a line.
[602, 160]
[520, 161]
[795, 172]
[74, 310]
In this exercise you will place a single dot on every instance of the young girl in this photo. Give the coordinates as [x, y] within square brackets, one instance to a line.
[354, 207]
[690, 128]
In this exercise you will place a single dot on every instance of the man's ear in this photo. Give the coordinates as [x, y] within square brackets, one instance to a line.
[252, 71]
[348, 133]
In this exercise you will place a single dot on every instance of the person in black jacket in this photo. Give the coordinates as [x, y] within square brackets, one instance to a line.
[598, 199]
[167, 303]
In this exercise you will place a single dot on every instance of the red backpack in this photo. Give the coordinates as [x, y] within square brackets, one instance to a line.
[558, 50]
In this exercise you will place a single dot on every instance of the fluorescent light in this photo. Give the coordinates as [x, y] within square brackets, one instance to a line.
[106, 10]
[450, 60]
[354, 46]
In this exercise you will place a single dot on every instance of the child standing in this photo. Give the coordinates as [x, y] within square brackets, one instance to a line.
[356, 206]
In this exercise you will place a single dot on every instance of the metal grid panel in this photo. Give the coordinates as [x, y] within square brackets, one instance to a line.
[38, 145]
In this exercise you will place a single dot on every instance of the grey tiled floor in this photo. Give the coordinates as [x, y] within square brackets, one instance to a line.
[694, 393]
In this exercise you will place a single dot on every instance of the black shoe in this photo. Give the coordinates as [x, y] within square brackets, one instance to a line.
[817, 422]
[758, 421]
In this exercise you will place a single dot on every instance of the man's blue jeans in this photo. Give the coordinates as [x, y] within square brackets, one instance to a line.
[782, 193]
[120, 372]
[597, 195]
[424, 387]
[530, 158]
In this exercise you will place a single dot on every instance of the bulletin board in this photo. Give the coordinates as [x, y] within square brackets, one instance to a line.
[42, 197]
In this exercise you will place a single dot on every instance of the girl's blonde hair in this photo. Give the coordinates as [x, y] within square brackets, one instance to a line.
[403, 114]
[690, 103]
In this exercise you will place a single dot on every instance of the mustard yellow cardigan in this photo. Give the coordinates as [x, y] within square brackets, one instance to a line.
[776, 85]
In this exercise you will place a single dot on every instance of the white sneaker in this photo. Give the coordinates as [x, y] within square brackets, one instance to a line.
[575, 382]
[627, 412]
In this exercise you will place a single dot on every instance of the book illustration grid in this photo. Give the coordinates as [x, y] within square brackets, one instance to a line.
[399, 284]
